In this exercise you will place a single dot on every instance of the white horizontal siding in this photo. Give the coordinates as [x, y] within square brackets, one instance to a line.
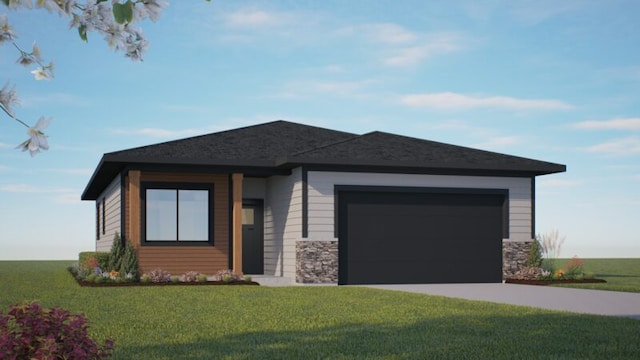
[109, 202]
[321, 205]
[283, 223]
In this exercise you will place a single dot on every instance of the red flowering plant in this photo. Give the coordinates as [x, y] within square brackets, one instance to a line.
[575, 268]
[29, 331]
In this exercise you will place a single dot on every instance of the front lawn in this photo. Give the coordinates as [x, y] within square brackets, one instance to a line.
[620, 274]
[252, 322]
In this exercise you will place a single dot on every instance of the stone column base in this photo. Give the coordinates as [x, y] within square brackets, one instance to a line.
[317, 262]
[514, 256]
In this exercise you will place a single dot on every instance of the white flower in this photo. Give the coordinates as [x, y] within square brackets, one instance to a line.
[150, 9]
[43, 72]
[8, 97]
[6, 31]
[37, 139]
[13, 4]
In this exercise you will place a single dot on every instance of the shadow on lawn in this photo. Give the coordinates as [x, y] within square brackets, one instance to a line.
[527, 336]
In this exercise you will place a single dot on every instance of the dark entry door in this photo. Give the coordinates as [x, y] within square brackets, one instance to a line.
[252, 237]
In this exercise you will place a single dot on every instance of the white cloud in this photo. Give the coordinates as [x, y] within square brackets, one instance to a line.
[618, 147]
[26, 188]
[613, 124]
[56, 99]
[398, 46]
[344, 89]
[159, 133]
[5, 145]
[253, 18]
[386, 33]
[454, 101]
[431, 45]
[555, 183]
[74, 171]
[500, 142]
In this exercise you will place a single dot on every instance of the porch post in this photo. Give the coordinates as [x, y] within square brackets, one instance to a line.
[237, 222]
[134, 208]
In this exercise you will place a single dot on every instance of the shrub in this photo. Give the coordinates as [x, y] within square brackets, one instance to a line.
[89, 260]
[145, 278]
[115, 256]
[575, 267]
[191, 276]
[589, 275]
[202, 278]
[227, 276]
[159, 276]
[535, 255]
[175, 279]
[29, 331]
[129, 263]
[247, 278]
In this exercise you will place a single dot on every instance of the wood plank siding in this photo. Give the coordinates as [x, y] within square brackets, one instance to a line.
[322, 184]
[207, 259]
[108, 215]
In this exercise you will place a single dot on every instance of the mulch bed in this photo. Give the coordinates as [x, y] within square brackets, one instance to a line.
[115, 284]
[551, 282]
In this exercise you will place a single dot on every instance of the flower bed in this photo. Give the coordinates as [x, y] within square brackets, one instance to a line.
[551, 281]
[109, 281]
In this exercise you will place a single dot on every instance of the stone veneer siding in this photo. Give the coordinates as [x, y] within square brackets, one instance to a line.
[317, 262]
[514, 256]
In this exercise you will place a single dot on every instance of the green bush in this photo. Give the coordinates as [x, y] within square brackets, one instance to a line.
[89, 260]
[129, 263]
[535, 254]
[117, 251]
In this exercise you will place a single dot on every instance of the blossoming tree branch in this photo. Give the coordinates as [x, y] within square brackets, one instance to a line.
[112, 19]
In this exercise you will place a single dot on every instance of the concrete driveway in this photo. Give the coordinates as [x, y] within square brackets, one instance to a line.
[598, 302]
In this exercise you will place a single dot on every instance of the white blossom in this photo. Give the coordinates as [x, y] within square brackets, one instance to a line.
[43, 72]
[14, 4]
[37, 139]
[149, 9]
[8, 97]
[6, 31]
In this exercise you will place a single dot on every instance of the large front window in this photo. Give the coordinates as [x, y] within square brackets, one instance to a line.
[177, 213]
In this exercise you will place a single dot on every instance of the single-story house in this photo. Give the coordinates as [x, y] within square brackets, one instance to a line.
[315, 205]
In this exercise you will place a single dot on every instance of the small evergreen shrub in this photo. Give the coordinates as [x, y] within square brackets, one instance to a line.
[535, 254]
[29, 331]
[202, 278]
[116, 254]
[129, 263]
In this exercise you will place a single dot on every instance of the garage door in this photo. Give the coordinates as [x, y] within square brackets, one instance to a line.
[391, 237]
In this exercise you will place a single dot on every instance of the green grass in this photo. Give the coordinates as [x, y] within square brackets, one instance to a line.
[251, 322]
[620, 274]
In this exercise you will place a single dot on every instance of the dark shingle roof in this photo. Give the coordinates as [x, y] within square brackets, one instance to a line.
[384, 149]
[282, 145]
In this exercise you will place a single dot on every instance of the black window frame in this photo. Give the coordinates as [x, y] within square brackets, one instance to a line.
[144, 186]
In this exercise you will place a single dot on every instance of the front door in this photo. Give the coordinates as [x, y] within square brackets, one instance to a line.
[252, 237]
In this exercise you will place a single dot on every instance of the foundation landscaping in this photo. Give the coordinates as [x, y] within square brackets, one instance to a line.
[120, 268]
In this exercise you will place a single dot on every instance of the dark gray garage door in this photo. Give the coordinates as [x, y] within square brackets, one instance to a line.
[396, 237]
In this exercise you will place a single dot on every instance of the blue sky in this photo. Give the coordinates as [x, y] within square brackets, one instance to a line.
[550, 80]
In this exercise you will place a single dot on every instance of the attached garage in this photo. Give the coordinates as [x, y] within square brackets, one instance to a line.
[421, 235]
